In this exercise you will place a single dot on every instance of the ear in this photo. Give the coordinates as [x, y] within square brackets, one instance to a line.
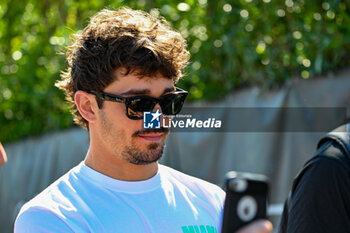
[86, 105]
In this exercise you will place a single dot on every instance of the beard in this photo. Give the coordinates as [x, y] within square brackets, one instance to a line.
[131, 153]
[153, 153]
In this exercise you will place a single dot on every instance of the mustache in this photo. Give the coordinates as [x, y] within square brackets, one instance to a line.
[148, 131]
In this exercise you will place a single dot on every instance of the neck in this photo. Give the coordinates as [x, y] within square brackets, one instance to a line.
[116, 167]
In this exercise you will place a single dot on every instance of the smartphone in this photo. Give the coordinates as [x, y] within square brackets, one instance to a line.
[246, 200]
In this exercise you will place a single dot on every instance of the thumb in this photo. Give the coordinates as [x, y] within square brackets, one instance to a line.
[259, 226]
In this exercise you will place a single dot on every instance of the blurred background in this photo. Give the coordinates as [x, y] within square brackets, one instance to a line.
[244, 53]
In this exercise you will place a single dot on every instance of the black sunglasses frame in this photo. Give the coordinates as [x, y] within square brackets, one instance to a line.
[178, 93]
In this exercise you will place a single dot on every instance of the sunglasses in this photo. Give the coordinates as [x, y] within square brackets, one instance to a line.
[170, 104]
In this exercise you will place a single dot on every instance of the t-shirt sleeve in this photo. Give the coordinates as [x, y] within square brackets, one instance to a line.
[39, 220]
[321, 198]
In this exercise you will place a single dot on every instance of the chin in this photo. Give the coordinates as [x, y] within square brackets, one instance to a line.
[150, 153]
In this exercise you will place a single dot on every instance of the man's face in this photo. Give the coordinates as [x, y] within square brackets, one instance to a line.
[123, 136]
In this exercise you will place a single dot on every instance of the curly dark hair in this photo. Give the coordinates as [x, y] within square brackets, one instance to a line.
[126, 38]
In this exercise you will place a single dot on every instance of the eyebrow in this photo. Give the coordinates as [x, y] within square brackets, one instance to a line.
[145, 91]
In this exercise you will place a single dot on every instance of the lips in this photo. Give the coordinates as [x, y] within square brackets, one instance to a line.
[152, 136]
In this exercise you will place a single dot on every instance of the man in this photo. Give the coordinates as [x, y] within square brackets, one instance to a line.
[124, 63]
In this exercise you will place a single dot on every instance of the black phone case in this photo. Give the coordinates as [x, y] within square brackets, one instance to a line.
[256, 189]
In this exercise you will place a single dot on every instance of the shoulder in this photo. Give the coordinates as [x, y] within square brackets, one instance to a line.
[329, 162]
[199, 187]
[39, 219]
[61, 192]
[325, 172]
[49, 208]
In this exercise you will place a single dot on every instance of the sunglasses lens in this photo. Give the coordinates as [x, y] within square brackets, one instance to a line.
[172, 104]
[137, 106]
[133, 114]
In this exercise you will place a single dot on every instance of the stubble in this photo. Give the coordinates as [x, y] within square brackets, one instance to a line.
[129, 151]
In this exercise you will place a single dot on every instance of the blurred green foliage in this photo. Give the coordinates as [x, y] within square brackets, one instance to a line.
[233, 44]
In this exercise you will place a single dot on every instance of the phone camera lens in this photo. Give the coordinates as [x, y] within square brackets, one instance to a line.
[238, 184]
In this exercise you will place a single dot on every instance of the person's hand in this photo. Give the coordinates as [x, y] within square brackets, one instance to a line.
[259, 226]
[3, 157]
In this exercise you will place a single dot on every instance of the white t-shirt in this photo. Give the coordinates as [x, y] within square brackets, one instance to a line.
[84, 200]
